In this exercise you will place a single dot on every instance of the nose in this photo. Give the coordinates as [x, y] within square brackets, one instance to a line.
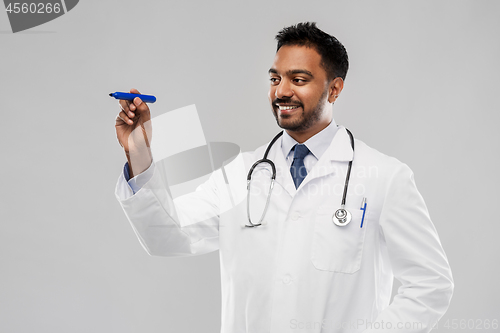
[283, 90]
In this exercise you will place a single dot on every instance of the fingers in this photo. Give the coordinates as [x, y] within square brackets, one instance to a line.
[131, 109]
[137, 101]
[138, 106]
[125, 106]
[123, 117]
[135, 104]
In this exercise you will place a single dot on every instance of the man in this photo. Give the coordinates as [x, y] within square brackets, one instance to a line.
[300, 270]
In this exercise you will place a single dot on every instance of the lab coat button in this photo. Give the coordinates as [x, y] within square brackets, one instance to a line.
[295, 216]
[287, 279]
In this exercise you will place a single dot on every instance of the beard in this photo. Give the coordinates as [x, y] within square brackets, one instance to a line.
[303, 121]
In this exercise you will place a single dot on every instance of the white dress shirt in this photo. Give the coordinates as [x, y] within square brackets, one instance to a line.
[317, 145]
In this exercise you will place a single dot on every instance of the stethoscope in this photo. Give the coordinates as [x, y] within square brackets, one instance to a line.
[341, 217]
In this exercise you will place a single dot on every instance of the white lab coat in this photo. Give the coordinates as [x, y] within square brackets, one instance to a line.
[300, 272]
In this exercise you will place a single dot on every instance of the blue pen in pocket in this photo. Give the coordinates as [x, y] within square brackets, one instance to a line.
[363, 208]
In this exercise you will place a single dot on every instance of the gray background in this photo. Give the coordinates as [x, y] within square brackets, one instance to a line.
[423, 87]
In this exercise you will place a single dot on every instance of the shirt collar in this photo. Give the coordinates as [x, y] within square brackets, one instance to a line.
[317, 144]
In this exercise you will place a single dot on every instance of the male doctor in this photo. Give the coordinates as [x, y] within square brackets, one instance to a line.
[299, 271]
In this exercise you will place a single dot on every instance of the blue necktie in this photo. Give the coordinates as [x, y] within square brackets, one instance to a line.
[298, 169]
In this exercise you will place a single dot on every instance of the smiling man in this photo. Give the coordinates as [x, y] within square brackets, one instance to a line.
[303, 85]
[320, 251]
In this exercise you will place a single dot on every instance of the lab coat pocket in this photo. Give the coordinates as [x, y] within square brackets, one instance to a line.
[334, 248]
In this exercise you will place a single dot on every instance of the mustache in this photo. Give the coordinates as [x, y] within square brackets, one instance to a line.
[286, 101]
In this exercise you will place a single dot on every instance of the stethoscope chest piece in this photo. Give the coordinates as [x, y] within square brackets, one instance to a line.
[341, 217]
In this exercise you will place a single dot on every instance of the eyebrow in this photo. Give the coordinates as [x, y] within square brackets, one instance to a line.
[293, 71]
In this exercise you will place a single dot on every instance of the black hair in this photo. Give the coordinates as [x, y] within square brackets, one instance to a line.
[333, 54]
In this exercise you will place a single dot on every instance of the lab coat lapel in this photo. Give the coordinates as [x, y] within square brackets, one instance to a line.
[340, 150]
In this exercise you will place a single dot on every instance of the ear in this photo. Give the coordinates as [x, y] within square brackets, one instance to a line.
[334, 89]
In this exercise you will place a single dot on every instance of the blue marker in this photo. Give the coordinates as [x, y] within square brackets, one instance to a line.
[363, 208]
[130, 97]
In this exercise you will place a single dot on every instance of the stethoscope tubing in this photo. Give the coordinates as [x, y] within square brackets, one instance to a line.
[345, 215]
[271, 186]
[348, 175]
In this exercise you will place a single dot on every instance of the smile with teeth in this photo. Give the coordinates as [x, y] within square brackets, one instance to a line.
[288, 107]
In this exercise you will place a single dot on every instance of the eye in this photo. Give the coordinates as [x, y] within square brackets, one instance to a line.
[299, 80]
[274, 80]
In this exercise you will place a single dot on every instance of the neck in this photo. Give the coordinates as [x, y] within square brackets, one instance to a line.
[303, 136]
